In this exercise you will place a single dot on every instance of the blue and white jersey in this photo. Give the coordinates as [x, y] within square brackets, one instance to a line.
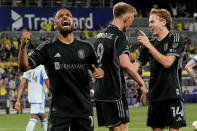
[195, 59]
[35, 78]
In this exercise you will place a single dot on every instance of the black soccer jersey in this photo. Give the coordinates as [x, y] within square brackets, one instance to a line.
[165, 83]
[109, 45]
[67, 69]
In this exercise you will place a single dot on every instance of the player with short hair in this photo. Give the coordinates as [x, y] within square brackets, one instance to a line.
[165, 55]
[35, 79]
[67, 61]
[112, 49]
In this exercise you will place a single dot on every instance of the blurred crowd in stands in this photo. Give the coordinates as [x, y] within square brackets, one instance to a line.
[10, 42]
[10, 75]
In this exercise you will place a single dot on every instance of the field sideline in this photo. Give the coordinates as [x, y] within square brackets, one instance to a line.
[17, 122]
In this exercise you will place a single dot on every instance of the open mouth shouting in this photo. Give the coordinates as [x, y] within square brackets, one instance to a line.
[66, 24]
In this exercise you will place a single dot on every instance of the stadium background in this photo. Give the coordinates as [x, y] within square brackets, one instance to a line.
[90, 16]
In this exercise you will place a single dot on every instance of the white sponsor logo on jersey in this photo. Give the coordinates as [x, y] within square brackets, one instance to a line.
[57, 55]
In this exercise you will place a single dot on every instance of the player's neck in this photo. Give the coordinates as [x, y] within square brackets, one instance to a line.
[162, 34]
[118, 23]
[68, 39]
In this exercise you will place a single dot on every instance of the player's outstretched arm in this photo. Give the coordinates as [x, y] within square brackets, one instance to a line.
[23, 63]
[132, 72]
[20, 90]
[166, 61]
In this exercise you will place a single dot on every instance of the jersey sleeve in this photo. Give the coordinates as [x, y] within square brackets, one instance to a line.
[25, 75]
[176, 46]
[44, 74]
[122, 45]
[143, 58]
[195, 59]
[38, 56]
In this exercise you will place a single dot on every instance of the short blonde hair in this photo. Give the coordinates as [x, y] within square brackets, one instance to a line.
[122, 8]
[163, 14]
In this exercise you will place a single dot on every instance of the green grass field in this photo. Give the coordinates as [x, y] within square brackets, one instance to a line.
[17, 122]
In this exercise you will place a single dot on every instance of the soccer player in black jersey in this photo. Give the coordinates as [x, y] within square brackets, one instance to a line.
[165, 55]
[67, 61]
[112, 49]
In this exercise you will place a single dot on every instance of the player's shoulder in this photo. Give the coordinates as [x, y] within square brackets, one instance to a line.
[26, 72]
[152, 39]
[111, 31]
[81, 41]
[173, 34]
[85, 43]
[44, 44]
[41, 67]
[175, 37]
[38, 68]
[115, 30]
[194, 57]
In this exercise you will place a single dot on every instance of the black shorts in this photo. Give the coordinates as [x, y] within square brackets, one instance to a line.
[112, 114]
[81, 123]
[166, 113]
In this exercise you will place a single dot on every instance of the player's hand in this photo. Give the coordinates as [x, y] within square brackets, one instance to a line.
[18, 106]
[98, 72]
[26, 37]
[143, 39]
[143, 95]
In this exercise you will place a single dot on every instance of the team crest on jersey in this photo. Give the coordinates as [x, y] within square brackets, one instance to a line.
[81, 53]
[57, 65]
[165, 47]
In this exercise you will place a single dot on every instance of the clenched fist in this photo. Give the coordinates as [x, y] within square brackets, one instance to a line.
[26, 37]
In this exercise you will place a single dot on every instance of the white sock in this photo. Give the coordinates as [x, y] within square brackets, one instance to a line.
[43, 124]
[31, 124]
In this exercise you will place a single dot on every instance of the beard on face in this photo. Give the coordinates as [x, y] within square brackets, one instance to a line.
[65, 32]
